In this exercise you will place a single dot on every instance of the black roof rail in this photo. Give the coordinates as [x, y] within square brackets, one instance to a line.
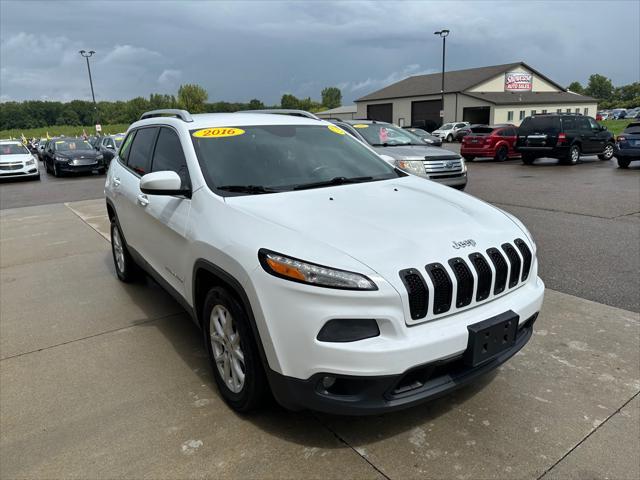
[283, 111]
[171, 112]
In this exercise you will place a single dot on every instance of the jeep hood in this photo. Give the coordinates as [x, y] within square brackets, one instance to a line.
[387, 225]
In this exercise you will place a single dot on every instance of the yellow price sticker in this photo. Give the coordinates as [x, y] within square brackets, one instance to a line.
[336, 129]
[361, 125]
[218, 132]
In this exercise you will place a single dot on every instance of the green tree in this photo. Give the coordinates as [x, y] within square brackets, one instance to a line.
[331, 97]
[599, 87]
[68, 117]
[192, 97]
[289, 101]
[576, 87]
[255, 104]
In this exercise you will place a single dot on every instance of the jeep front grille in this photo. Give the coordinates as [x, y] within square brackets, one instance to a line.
[442, 287]
[418, 293]
[501, 267]
[508, 271]
[526, 257]
[464, 278]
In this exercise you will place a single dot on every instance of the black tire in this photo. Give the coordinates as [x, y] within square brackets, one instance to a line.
[102, 171]
[128, 271]
[46, 167]
[623, 162]
[254, 390]
[572, 156]
[56, 172]
[502, 154]
[528, 159]
[469, 158]
[449, 138]
[607, 153]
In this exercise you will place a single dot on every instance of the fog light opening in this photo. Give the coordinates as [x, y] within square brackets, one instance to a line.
[328, 382]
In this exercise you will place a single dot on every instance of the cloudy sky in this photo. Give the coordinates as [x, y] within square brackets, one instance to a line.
[262, 49]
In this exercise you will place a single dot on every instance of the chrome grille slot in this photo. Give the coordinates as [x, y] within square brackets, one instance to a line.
[514, 259]
[483, 270]
[442, 165]
[11, 166]
[464, 279]
[443, 288]
[526, 257]
[418, 293]
[500, 265]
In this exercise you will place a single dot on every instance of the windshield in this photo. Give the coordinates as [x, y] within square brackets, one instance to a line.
[13, 149]
[446, 126]
[118, 141]
[284, 157]
[386, 135]
[72, 145]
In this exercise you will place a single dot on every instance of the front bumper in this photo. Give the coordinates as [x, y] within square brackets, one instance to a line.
[70, 168]
[457, 180]
[30, 171]
[380, 394]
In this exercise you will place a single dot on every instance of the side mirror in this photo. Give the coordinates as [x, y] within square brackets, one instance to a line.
[163, 183]
[389, 159]
[603, 128]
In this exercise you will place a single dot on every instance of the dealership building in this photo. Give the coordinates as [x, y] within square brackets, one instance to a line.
[497, 94]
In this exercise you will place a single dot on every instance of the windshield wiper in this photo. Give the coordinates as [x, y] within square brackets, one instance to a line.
[253, 189]
[333, 181]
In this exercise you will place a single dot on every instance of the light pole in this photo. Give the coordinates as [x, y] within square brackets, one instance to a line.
[443, 34]
[87, 55]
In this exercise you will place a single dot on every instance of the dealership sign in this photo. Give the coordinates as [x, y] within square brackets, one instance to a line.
[518, 81]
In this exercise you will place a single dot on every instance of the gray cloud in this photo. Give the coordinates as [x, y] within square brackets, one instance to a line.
[244, 50]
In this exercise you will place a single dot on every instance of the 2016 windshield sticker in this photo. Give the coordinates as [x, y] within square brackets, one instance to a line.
[218, 132]
[361, 125]
[335, 129]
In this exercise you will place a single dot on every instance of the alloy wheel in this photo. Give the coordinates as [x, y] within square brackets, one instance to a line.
[226, 348]
[118, 250]
[575, 155]
[608, 152]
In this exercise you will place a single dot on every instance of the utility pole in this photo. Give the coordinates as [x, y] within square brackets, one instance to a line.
[443, 34]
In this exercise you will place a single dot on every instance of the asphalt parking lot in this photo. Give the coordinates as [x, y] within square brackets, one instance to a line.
[104, 380]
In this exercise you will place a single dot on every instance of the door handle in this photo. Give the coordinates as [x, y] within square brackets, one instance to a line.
[143, 200]
[116, 182]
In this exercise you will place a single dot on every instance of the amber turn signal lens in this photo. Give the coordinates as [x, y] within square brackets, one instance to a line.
[286, 270]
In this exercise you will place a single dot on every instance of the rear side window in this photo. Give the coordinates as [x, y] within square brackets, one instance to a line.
[540, 125]
[170, 156]
[126, 147]
[482, 130]
[139, 159]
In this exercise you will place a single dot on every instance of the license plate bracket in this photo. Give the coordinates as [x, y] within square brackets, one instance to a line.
[489, 338]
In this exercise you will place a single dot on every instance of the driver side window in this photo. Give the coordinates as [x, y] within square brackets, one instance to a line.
[594, 125]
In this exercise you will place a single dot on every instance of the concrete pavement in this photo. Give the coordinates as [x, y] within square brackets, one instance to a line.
[105, 380]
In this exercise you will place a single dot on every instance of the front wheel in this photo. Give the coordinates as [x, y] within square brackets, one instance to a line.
[528, 159]
[56, 171]
[449, 138]
[623, 162]
[233, 352]
[469, 158]
[502, 154]
[126, 268]
[607, 153]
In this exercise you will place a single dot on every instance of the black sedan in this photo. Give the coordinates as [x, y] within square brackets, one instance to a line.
[108, 146]
[72, 155]
[425, 136]
[627, 148]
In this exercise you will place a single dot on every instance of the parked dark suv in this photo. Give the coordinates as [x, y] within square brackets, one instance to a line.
[563, 136]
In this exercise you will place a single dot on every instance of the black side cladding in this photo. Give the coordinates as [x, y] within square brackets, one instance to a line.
[464, 278]
[485, 276]
[526, 257]
[500, 265]
[443, 288]
[418, 292]
[514, 259]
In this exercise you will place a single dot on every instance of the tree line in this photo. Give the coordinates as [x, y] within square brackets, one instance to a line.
[608, 96]
[191, 97]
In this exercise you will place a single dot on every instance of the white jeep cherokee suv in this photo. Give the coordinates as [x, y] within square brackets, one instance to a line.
[314, 268]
